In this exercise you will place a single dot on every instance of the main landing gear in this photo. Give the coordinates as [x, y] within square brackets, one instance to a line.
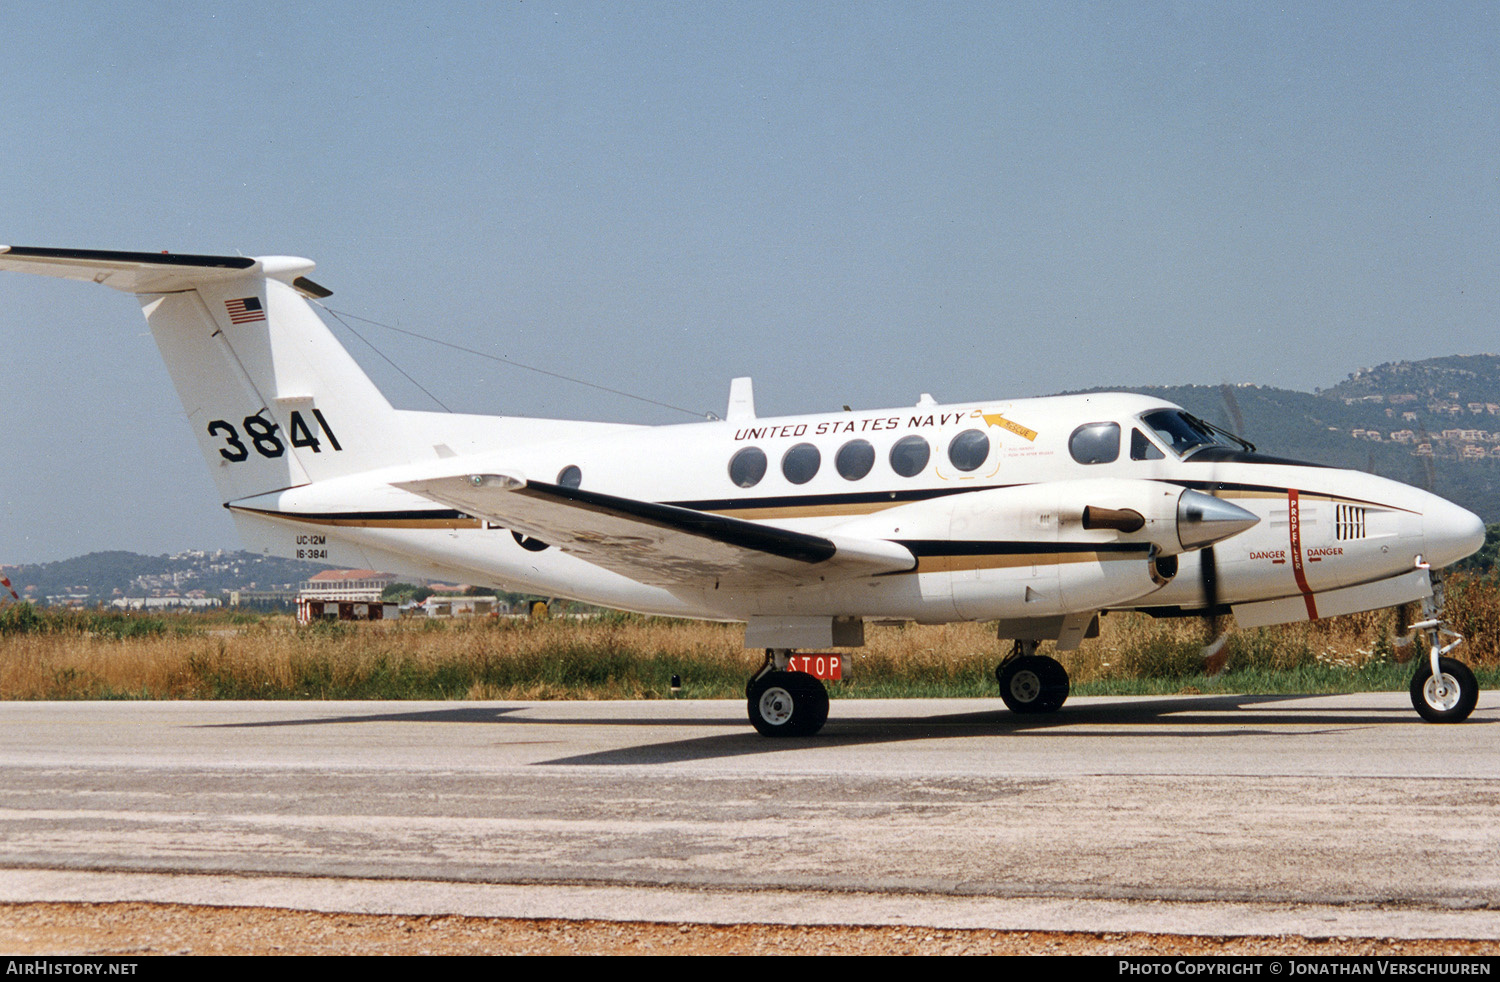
[1031, 683]
[1443, 690]
[783, 703]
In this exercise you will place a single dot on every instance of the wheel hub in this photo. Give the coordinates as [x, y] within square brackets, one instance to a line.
[1441, 692]
[1026, 685]
[776, 706]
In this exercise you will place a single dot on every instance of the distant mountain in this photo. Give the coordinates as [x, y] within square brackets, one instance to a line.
[1433, 424]
[106, 575]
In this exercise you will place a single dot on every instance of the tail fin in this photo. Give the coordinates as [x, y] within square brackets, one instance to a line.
[274, 399]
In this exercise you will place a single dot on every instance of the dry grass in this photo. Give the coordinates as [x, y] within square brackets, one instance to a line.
[44, 655]
[609, 657]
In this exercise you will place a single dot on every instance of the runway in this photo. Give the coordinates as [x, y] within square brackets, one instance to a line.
[1183, 814]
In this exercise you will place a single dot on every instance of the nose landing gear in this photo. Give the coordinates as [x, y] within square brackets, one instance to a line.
[1443, 690]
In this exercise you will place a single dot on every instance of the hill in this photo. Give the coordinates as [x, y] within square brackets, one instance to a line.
[102, 576]
[1433, 423]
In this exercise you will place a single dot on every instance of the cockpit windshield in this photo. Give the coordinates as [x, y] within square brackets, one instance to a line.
[1185, 434]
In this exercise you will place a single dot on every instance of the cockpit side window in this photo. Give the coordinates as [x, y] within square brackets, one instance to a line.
[1095, 443]
[1142, 448]
[1184, 433]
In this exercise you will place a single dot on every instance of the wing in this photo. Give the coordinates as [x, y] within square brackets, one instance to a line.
[663, 545]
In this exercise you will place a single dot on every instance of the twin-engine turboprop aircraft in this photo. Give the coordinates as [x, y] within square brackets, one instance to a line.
[1038, 513]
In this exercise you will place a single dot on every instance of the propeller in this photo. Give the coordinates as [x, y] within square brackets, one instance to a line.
[1215, 656]
[1232, 407]
[1215, 653]
[1429, 469]
[1402, 648]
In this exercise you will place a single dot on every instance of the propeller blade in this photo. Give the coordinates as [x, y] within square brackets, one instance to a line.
[1215, 657]
[1233, 406]
[1402, 648]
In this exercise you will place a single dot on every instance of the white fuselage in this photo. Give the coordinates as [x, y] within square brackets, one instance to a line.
[991, 513]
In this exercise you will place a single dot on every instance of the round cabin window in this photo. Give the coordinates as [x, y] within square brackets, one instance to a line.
[747, 467]
[854, 459]
[910, 456]
[801, 463]
[969, 450]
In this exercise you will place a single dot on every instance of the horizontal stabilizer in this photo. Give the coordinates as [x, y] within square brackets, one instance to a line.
[156, 272]
[661, 544]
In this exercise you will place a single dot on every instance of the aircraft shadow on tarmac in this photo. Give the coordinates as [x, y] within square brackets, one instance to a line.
[1188, 716]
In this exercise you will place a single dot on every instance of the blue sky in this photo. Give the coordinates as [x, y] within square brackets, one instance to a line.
[852, 202]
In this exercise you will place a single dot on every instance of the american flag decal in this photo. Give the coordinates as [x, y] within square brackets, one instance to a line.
[245, 311]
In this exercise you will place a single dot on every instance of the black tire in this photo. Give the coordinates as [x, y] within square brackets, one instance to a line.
[787, 704]
[1455, 706]
[1032, 684]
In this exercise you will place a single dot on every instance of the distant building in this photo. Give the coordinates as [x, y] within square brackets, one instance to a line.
[345, 610]
[358, 585]
[250, 597]
[163, 603]
[461, 606]
[346, 595]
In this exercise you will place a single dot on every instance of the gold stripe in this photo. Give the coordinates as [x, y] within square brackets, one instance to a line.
[953, 564]
[811, 511]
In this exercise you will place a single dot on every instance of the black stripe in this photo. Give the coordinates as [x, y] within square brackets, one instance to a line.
[1232, 455]
[360, 516]
[1209, 487]
[154, 258]
[946, 547]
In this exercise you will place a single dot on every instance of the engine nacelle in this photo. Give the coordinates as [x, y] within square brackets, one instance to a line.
[1167, 517]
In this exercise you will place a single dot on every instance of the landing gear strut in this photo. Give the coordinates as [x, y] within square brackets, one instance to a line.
[783, 703]
[1443, 690]
[1031, 683]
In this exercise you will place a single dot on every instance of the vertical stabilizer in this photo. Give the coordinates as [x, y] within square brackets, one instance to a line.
[274, 399]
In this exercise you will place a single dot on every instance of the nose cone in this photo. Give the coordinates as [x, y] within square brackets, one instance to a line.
[1449, 533]
[1203, 519]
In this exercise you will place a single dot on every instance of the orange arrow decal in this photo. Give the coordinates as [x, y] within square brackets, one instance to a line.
[995, 419]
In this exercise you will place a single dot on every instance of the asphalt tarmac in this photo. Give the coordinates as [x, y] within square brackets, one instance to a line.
[1320, 816]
